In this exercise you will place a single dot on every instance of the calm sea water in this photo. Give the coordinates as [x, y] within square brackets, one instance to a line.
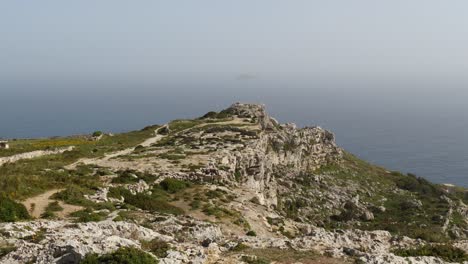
[407, 125]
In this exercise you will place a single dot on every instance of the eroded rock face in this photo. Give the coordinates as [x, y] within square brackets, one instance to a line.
[277, 147]
[272, 180]
[64, 242]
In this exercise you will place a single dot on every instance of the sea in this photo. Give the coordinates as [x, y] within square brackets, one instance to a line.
[412, 124]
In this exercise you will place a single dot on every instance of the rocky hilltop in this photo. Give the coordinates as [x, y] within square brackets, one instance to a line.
[234, 186]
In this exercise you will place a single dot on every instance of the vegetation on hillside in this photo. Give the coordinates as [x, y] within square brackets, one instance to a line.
[26, 178]
[414, 207]
[445, 252]
[125, 255]
[11, 211]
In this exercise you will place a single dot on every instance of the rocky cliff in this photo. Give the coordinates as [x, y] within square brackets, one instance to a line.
[234, 186]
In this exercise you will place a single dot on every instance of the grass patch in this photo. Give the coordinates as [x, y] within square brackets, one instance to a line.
[11, 211]
[179, 125]
[158, 247]
[27, 178]
[74, 195]
[413, 205]
[152, 204]
[4, 250]
[37, 237]
[158, 201]
[172, 185]
[218, 211]
[445, 252]
[54, 207]
[268, 255]
[88, 215]
[51, 209]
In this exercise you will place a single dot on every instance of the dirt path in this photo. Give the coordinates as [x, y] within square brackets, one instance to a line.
[109, 160]
[37, 205]
[106, 160]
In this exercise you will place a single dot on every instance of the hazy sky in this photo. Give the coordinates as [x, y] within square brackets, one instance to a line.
[143, 39]
[388, 77]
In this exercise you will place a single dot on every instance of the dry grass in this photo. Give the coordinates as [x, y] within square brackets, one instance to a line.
[289, 256]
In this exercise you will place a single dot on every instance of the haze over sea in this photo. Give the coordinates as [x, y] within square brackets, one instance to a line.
[417, 126]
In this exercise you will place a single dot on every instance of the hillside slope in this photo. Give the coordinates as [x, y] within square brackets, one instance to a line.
[229, 187]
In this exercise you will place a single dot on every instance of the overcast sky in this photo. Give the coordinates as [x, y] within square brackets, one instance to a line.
[245, 38]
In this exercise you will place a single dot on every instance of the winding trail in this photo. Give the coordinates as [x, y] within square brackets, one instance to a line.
[106, 160]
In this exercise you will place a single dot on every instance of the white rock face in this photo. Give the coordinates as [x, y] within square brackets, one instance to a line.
[258, 166]
[276, 146]
[64, 242]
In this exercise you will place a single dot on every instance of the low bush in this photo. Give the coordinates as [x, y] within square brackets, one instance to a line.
[125, 177]
[240, 247]
[48, 215]
[251, 233]
[97, 133]
[217, 211]
[11, 211]
[87, 215]
[158, 247]
[4, 250]
[73, 195]
[417, 184]
[54, 207]
[213, 194]
[445, 252]
[146, 202]
[37, 237]
[125, 255]
[173, 185]
[117, 192]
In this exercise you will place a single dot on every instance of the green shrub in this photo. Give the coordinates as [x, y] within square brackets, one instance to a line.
[4, 250]
[217, 211]
[131, 176]
[173, 185]
[211, 114]
[158, 247]
[217, 193]
[156, 202]
[445, 252]
[172, 156]
[126, 177]
[240, 247]
[73, 195]
[125, 255]
[417, 184]
[11, 211]
[195, 204]
[118, 192]
[48, 215]
[54, 207]
[87, 215]
[97, 133]
[149, 203]
[37, 237]
[251, 233]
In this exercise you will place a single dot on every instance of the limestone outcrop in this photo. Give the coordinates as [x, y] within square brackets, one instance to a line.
[232, 187]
